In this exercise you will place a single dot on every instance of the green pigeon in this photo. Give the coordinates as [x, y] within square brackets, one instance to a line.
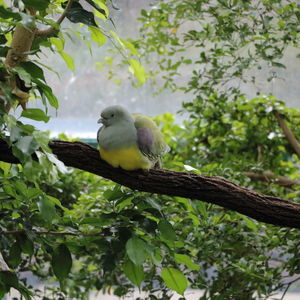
[129, 141]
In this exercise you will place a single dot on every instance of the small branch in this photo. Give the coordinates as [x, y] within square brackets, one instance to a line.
[50, 30]
[215, 190]
[269, 176]
[288, 286]
[59, 233]
[288, 133]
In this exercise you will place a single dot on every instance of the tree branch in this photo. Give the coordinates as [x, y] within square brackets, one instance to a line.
[288, 133]
[272, 178]
[214, 190]
[50, 30]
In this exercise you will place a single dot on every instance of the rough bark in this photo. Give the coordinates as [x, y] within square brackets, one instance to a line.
[214, 190]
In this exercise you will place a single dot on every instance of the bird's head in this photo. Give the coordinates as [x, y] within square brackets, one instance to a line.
[114, 114]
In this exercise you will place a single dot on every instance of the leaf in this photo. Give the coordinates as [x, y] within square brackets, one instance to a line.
[61, 262]
[58, 43]
[76, 14]
[138, 70]
[47, 209]
[68, 60]
[6, 13]
[35, 114]
[24, 75]
[27, 145]
[136, 250]
[99, 6]
[114, 194]
[97, 35]
[34, 70]
[185, 259]
[175, 280]
[45, 90]
[26, 244]
[134, 273]
[14, 258]
[166, 230]
[37, 4]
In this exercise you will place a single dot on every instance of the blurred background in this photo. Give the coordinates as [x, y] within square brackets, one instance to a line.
[84, 92]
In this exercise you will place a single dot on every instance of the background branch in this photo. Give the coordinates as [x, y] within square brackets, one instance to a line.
[214, 190]
[288, 133]
[269, 176]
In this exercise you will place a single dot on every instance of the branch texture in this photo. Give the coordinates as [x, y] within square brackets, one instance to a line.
[288, 133]
[214, 190]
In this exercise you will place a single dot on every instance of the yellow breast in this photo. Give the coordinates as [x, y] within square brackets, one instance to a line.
[128, 159]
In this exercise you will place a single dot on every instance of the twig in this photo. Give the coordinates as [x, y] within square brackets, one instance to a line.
[18, 232]
[50, 30]
[271, 177]
[288, 133]
[288, 286]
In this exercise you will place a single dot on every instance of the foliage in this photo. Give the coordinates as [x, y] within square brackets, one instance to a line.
[86, 233]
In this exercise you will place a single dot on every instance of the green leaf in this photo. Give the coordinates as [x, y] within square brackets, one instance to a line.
[24, 75]
[26, 244]
[166, 230]
[34, 70]
[68, 60]
[27, 145]
[9, 279]
[37, 4]
[14, 258]
[99, 6]
[97, 35]
[35, 114]
[136, 250]
[47, 209]
[134, 273]
[137, 70]
[45, 90]
[76, 14]
[114, 194]
[175, 280]
[6, 13]
[58, 43]
[61, 262]
[185, 259]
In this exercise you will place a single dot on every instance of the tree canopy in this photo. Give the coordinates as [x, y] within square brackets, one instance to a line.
[156, 230]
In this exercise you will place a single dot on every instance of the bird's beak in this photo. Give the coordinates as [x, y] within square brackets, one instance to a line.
[101, 120]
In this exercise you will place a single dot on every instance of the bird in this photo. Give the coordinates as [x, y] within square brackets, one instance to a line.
[130, 141]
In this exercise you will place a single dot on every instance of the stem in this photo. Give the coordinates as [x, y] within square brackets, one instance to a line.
[288, 133]
[50, 30]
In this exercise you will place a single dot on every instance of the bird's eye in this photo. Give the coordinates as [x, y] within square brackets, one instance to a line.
[112, 115]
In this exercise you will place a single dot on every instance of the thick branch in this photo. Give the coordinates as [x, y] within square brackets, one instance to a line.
[50, 30]
[214, 190]
[288, 133]
[269, 176]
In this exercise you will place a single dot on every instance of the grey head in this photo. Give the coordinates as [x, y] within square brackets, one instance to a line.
[114, 114]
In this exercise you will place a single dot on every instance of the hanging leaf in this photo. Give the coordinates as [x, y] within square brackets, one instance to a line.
[134, 273]
[136, 250]
[166, 230]
[61, 262]
[99, 6]
[76, 14]
[97, 36]
[185, 259]
[35, 114]
[47, 209]
[37, 4]
[175, 280]
[138, 70]
[34, 70]
[68, 60]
